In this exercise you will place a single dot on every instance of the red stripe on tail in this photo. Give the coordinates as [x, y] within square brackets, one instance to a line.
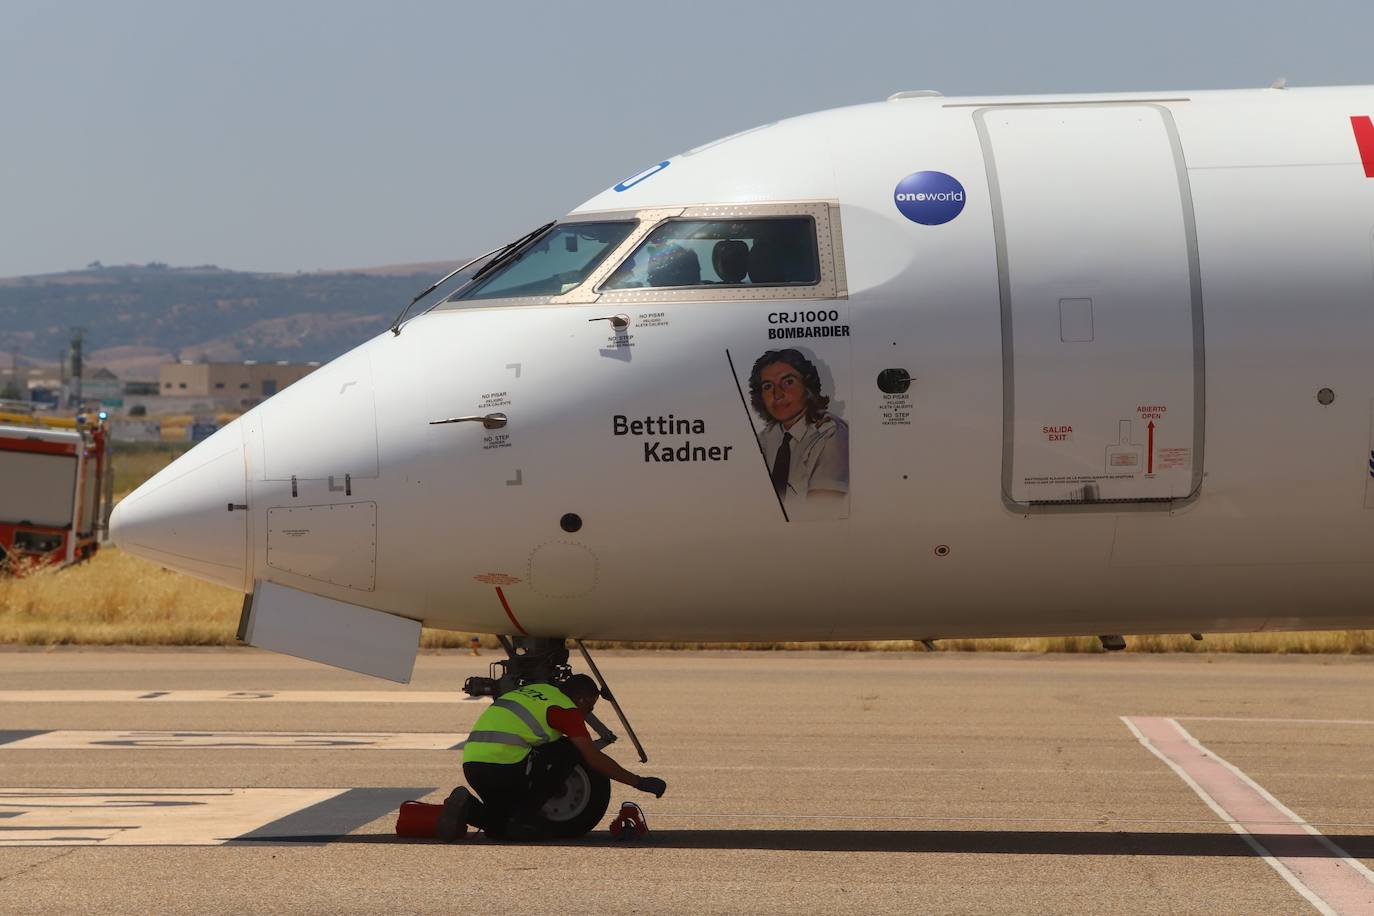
[1364, 139]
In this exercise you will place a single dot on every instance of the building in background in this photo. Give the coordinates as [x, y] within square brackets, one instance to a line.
[31, 383]
[103, 386]
[227, 385]
[48, 386]
[142, 389]
[185, 387]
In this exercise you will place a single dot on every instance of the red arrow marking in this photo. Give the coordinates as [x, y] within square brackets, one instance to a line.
[1150, 462]
[1364, 139]
[506, 604]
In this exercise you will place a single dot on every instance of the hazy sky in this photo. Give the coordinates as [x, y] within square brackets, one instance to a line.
[306, 135]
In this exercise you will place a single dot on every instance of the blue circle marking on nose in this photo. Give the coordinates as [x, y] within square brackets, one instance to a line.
[929, 198]
[640, 176]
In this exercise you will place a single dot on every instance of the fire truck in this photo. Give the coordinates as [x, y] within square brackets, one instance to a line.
[56, 489]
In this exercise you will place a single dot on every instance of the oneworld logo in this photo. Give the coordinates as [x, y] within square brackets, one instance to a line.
[929, 198]
[937, 195]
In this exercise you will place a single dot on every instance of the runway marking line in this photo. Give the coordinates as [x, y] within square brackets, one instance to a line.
[190, 817]
[1326, 876]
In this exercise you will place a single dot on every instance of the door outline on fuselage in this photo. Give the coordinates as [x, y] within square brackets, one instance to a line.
[1004, 288]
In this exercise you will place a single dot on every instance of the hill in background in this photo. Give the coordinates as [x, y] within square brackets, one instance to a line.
[136, 317]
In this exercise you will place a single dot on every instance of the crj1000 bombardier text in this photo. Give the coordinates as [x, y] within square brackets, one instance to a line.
[917, 369]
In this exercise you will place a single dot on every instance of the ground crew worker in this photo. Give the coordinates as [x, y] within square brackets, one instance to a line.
[519, 754]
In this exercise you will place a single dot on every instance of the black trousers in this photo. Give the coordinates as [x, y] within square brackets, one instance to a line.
[514, 792]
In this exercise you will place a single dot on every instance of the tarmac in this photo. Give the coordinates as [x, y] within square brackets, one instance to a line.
[219, 780]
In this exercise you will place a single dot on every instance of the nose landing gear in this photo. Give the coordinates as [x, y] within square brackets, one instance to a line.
[577, 797]
[530, 659]
[536, 659]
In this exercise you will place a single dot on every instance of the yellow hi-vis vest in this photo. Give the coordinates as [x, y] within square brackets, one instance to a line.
[515, 723]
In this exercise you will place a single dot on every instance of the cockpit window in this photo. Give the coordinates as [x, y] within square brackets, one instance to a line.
[679, 253]
[557, 263]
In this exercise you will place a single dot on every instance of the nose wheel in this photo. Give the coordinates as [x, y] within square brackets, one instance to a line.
[579, 806]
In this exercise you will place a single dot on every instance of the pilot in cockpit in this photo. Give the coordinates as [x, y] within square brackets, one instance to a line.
[674, 265]
[730, 261]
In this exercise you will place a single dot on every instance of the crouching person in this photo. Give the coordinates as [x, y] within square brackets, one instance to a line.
[518, 756]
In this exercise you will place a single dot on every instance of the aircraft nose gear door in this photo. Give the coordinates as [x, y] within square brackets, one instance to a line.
[1101, 304]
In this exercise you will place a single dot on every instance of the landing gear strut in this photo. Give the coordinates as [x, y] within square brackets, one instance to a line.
[533, 659]
[530, 659]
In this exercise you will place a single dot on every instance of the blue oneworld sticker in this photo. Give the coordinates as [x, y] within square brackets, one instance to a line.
[929, 198]
[640, 176]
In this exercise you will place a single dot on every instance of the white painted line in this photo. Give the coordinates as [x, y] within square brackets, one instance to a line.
[191, 817]
[235, 696]
[144, 817]
[67, 739]
[1324, 874]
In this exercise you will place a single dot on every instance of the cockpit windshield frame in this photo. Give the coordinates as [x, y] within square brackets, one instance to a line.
[829, 253]
[522, 269]
[583, 293]
[829, 249]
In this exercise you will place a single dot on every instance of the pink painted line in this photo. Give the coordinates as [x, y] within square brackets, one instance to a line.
[1326, 875]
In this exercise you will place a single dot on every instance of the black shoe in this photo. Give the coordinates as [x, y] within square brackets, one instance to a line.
[453, 820]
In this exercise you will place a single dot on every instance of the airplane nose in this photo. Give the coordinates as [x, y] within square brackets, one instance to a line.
[191, 515]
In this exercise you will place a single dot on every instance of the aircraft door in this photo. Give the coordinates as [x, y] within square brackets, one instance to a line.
[1101, 305]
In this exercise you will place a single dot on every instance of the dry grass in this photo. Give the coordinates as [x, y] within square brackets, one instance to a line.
[119, 599]
[115, 599]
[135, 462]
[174, 426]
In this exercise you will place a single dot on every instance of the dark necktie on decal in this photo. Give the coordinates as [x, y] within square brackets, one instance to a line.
[781, 465]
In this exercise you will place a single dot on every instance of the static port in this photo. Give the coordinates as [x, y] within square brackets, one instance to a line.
[571, 523]
[1325, 396]
[894, 381]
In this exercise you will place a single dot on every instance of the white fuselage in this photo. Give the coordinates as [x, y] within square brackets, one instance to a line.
[1116, 348]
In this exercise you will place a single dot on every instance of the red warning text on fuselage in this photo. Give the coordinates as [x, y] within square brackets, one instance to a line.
[1151, 411]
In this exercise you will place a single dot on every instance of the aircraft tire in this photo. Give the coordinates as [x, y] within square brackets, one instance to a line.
[580, 807]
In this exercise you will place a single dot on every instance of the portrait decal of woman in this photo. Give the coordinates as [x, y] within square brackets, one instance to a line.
[805, 446]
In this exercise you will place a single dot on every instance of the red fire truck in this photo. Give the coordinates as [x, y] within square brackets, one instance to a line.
[56, 482]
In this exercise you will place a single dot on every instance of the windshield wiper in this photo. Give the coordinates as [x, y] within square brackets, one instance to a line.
[396, 325]
[512, 251]
[498, 256]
